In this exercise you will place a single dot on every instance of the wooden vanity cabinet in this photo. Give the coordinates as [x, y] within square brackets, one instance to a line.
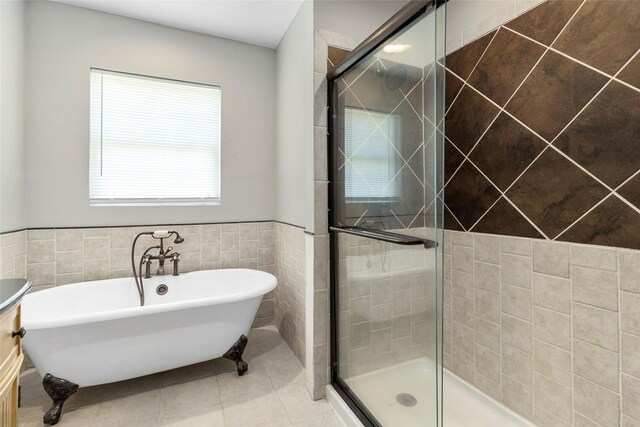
[11, 358]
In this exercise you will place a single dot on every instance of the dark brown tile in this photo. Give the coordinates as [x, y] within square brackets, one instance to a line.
[544, 22]
[335, 56]
[452, 160]
[554, 93]
[469, 194]
[452, 88]
[463, 60]
[506, 150]
[504, 65]
[605, 137]
[450, 222]
[469, 116]
[631, 190]
[504, 219]
[631, 73]
[612, 223]
[603, 34]
[554, 192]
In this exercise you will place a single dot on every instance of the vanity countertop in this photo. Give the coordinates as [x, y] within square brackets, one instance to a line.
[11, 290]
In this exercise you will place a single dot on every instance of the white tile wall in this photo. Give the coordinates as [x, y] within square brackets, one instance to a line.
[555, 334]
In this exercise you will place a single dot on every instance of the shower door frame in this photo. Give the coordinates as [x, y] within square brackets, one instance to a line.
[405, 17]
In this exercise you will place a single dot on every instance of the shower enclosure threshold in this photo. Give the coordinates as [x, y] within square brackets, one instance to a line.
[402, 395]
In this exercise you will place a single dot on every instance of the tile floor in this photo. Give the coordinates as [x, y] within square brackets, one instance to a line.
[272, 393]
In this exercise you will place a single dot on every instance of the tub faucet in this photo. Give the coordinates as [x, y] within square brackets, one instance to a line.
[147, 258]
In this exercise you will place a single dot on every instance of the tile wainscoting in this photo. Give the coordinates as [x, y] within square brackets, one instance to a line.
[62, 256]
[13, 255]
[550, 329]
[53, 257]
[290, 310]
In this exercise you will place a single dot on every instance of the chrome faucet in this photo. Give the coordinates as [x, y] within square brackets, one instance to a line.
[147, 258]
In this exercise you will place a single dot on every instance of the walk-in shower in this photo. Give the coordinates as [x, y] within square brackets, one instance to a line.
[386, 132]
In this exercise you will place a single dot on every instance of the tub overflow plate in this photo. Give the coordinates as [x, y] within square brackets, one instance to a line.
[162, 289]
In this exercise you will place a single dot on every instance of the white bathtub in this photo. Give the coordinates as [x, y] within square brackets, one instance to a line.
[95, 332]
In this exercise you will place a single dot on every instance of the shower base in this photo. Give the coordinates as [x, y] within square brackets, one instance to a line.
[402, 396]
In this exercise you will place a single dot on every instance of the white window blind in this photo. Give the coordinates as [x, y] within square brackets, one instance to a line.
[371, 158]
[153, 141]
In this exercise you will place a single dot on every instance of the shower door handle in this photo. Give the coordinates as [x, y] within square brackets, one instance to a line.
[386, 236]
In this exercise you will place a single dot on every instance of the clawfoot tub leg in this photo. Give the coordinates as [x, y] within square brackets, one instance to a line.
[235, 354]
[59, 391]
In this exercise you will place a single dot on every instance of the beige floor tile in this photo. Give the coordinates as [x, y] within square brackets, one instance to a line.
[261, 411]
[271, 394]
[254, 383]
[211, 417]
[299, 406]
[193, 397]
[140, 410]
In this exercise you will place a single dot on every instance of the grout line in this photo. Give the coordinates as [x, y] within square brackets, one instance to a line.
[483, 53]
[582, 216]
[584, 64]
[619, 319]
[454, 217]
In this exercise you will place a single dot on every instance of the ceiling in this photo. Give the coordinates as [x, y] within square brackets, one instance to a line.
[259, 22]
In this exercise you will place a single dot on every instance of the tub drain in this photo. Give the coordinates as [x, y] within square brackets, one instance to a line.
[162, 289]
[406, 399]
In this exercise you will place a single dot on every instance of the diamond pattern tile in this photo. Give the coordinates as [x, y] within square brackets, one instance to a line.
[612, 223]
[450, 222]
[554, 93]
[469, 195]
[544, 22]
[553, 193]
[463, 60]
[387, 98]
[506, 150]
[504, 219]
[452, 160]
[631, 73]
[550, 192]
[469, 116]
[603, 34]
[631, 190]
[504, 65]
[452, 88]
[607, 133]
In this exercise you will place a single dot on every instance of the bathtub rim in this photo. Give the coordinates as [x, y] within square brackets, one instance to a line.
[87, 318]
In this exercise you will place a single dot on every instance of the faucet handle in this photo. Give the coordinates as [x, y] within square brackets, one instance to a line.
[175, 259]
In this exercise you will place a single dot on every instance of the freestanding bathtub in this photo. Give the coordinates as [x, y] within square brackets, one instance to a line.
[93, 333]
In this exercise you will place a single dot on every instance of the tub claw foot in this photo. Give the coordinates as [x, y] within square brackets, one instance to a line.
[235, 354]
[59, 391]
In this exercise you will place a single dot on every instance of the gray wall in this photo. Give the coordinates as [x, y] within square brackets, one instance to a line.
[12, 115]
[65, 42]
[294, 130]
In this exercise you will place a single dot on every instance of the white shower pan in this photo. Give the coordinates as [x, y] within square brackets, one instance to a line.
[464, 405]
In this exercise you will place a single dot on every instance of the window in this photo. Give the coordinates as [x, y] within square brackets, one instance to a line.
[371, 167]
[153, 141]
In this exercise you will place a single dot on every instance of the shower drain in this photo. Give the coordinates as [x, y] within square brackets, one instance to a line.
[406, 399]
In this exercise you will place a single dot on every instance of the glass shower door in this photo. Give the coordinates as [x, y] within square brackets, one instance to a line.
[386, 223]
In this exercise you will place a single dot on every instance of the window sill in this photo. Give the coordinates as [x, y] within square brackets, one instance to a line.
[174, 202]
